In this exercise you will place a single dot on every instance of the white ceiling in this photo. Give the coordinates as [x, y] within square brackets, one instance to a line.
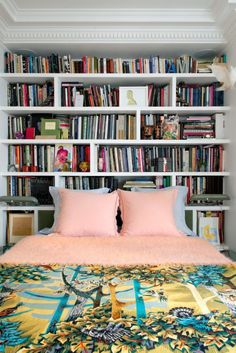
[118, 27]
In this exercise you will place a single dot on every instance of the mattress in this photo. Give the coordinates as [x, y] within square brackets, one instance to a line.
[116, 295]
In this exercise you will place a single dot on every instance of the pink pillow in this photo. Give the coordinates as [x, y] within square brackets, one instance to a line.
[148, 213]
[87, 214]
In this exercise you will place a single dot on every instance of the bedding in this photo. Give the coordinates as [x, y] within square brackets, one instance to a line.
[149, 294]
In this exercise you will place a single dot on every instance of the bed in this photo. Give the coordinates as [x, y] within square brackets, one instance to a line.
[116, 294]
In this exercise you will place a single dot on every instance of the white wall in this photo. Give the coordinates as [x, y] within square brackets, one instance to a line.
[230, 219]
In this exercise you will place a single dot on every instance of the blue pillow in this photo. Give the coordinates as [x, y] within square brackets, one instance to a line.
[179, 208]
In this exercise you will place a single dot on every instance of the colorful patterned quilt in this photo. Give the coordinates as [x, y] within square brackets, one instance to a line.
[83, 309]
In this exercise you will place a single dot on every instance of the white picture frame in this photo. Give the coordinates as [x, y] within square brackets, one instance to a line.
[133, 96]
[209, 229]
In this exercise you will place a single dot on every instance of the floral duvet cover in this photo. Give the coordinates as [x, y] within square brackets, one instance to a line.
[83, 309]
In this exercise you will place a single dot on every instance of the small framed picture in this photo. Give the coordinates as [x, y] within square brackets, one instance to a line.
[133, 96]
[209, 229]
[19, 226]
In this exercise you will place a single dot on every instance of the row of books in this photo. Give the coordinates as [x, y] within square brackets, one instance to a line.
[98, 126]
[199, 95]
[201, 185]
[156, 126]
[158, 96]
[89, 183]
[31, 186]
[54, 63]
[73, 94]
[160, 159]
[103, 126]
[39, 186]
[48, 158]
[30, 95]
[117, 126]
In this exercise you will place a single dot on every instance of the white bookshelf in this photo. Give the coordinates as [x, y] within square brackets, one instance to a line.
[87, 79]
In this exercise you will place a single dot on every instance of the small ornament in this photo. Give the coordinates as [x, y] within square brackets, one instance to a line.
[84, 166]
[19, 135]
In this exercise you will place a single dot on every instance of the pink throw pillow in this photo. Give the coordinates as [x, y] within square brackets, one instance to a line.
[148, 213]
[87, 214]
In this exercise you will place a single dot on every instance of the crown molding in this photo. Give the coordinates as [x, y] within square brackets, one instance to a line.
[111, 35]
[108, 15]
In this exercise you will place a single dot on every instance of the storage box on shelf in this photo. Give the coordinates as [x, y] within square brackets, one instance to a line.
[120, 141]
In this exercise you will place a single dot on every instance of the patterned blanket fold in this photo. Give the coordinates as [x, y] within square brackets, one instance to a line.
[127, 309]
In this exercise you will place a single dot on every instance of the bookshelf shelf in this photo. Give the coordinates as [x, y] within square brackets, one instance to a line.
[133, 174]
[111, 110]
[115, 80]
[118, 142]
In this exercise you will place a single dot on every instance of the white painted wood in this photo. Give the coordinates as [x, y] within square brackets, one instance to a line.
[95, 110]
[137, 141]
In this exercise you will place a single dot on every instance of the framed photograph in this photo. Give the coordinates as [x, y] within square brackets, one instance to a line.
[209, 229]
[133, 96]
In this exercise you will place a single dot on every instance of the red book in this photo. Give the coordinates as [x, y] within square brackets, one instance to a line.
[30, 133]
[74, 159]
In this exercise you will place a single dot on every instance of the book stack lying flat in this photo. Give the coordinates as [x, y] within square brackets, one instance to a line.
[160, 159]
[197, 127]
[201, 185]
[29, 95]
[139, 183]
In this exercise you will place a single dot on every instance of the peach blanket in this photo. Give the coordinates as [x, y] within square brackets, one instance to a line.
[113, 251]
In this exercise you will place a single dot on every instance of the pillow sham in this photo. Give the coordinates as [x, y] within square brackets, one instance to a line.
[179, 206]
[87, 214]
[55, 193]
[148, 213]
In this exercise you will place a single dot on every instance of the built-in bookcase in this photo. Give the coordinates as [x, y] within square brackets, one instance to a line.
[95, 145]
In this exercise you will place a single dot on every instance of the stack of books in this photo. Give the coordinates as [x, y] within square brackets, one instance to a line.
[160, 159]
[197, 127]
[139, 183]
[30, 95]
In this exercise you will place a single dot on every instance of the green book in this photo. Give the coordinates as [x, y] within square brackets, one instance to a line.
[50, 127]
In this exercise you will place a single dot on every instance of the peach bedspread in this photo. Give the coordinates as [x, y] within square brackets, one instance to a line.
[113, 251]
